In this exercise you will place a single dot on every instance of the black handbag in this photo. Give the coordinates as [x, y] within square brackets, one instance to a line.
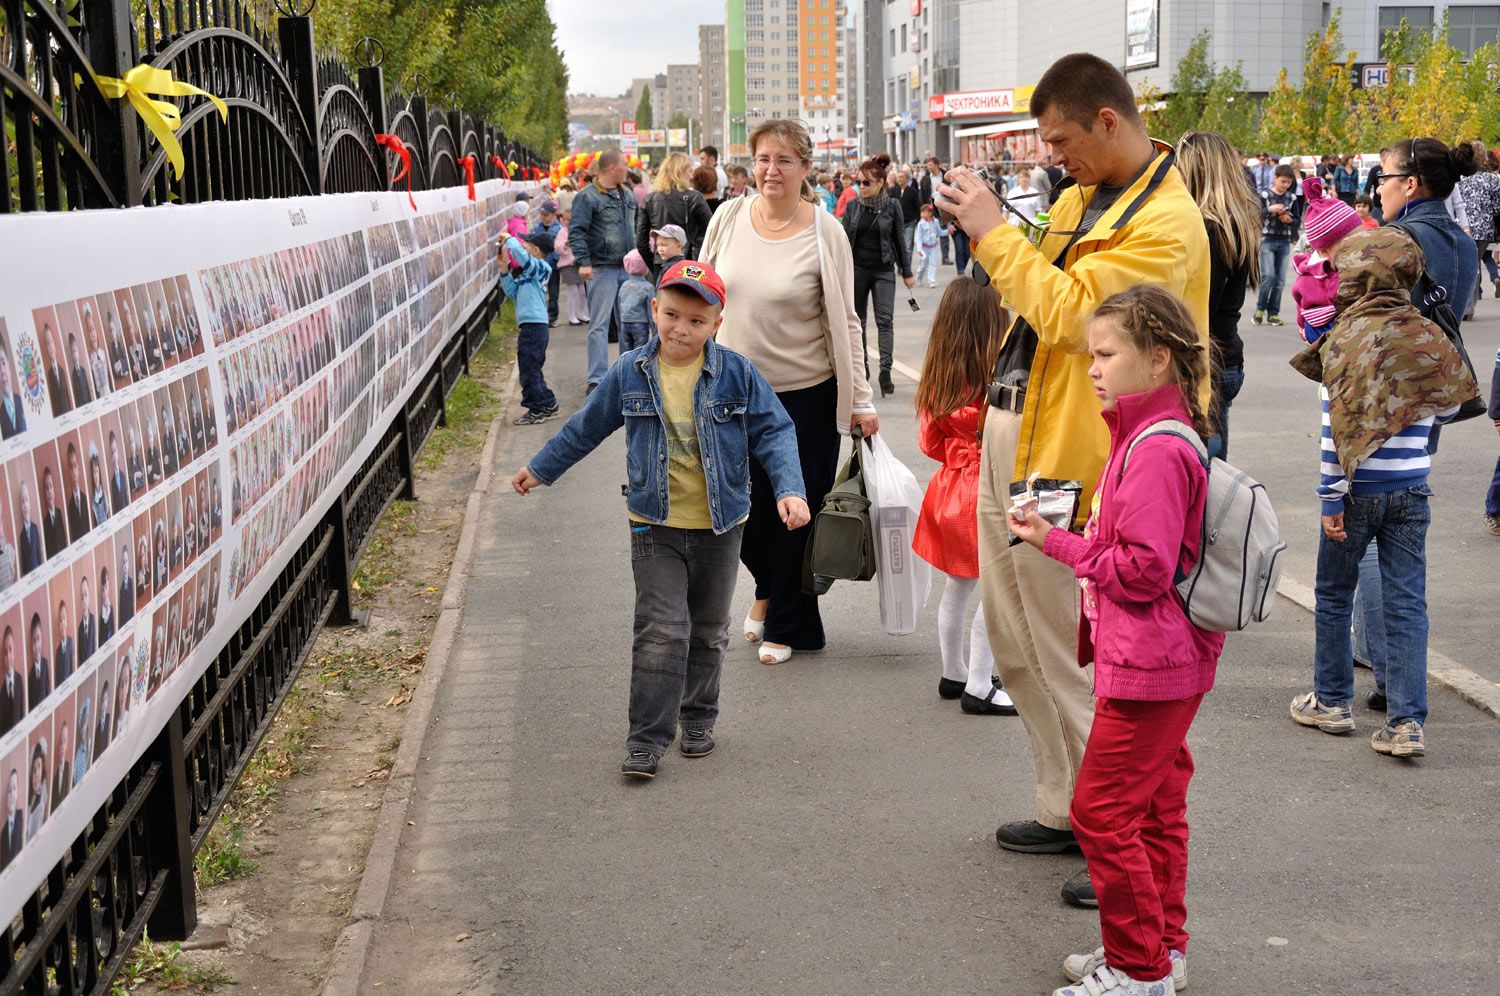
[842, 544]
[1440, 312]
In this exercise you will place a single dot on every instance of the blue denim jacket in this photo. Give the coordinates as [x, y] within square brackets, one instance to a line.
[739, 416]
[602, 230]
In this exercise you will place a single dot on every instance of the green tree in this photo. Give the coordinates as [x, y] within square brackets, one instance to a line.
[1320, 116]
[1202, 97]
[643, 110]
[1433, 90]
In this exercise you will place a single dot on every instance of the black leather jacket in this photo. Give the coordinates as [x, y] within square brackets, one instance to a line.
[888, 231]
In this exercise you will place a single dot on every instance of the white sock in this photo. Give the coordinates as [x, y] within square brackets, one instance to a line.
[952, 611]
[981, 659]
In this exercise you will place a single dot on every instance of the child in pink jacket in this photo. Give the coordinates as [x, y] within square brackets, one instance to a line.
[1328, 220]
[1152, 666]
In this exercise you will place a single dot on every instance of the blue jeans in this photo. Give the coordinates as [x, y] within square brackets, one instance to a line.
[684, 587]
[1492, 499]
[633, 335]
[1227, 384]
[944, 240]
[531, 355]
[1369, 616]
[1399, 521]
[1275, 254]
[603, 289]
[961, 253]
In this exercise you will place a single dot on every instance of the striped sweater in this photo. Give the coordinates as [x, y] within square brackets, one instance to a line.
[1402, 462]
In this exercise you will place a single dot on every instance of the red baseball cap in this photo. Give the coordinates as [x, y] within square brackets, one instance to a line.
[697, 277]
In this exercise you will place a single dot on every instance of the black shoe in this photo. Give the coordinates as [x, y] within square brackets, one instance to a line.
[1030, 837]
[949, 689]
[887, 386]
[697, 743]
[589, 390]
[639, 764]
[997, 703]
[536, 416]
[1079, 891]
[1376, 701]
[1360, 663]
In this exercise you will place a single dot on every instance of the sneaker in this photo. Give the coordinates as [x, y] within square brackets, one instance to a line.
[1401, 740]
[1376, 700]
[697, 743]
[1492, 523]
[639, 764]
[1258, 317]
[536, 416]
[1078, 967]
[1273, 320]
[1078, 891]
[1030, 837]
[1105, 981]
[1307, 710]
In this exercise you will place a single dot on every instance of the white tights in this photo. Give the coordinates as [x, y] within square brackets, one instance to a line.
[577, 299]
[980, 669]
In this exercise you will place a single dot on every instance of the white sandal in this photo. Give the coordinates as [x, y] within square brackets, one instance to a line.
[780, 655]
[755, 629]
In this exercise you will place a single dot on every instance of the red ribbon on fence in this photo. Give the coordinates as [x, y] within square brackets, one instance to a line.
[500, 165]
[467, 162]
[397, 146]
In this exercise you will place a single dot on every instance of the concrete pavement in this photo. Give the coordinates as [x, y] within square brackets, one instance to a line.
[840, 840]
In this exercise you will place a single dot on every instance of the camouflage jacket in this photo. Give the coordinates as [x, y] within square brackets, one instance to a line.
[1384, 365]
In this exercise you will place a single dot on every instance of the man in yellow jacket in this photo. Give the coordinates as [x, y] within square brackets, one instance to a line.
[1126, 220]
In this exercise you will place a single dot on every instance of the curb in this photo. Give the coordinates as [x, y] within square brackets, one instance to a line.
[1474, 689]
[352, 950]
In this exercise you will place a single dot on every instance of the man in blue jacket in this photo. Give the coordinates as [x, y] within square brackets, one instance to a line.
[601, 232]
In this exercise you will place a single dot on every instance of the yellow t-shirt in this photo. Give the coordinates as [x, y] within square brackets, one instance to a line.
[687, 488]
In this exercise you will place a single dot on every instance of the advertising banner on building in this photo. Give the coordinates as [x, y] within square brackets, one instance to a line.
[980, 103]
[1142, 34]
[184, 393]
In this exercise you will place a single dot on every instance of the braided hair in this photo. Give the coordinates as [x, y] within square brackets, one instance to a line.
[1148, 316]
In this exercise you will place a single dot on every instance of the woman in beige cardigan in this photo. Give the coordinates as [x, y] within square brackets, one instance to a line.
[790, 309]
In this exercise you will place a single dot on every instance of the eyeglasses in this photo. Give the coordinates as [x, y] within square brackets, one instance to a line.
[782, 163]
[869, 183]
[1394, 176]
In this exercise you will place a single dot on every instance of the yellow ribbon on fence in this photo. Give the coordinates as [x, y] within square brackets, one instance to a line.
[161, 116]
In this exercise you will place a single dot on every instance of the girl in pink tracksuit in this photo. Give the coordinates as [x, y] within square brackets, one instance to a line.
[1151, 665]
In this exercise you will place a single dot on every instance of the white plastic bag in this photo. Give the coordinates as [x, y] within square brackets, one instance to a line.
[895, 502]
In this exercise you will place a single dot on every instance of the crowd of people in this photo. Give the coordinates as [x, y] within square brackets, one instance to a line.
[1071, 343]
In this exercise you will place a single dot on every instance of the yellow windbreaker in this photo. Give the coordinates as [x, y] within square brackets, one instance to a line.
[1157, 239]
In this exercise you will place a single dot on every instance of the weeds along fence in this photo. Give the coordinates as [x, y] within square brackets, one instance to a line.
[298, 123]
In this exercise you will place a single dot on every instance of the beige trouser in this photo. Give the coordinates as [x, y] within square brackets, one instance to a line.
[1031, 611]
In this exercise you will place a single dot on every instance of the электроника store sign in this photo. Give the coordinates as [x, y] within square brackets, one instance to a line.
[980, 103]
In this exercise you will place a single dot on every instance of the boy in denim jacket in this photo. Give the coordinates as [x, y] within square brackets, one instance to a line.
[694, 414]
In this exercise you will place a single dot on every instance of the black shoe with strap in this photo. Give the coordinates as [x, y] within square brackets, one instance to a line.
[987, 706]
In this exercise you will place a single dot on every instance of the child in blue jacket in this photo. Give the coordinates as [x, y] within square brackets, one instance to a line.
[694, 414]
[524, 280]
[633, 304]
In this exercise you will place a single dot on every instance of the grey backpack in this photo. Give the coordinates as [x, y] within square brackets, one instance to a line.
[1234, 581]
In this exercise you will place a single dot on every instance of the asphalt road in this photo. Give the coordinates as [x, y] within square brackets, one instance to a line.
[840, 839]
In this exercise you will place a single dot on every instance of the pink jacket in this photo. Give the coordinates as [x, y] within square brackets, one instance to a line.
[1148, 528]
[1314, 290]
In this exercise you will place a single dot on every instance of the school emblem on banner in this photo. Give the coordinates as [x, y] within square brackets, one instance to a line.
[29, 358]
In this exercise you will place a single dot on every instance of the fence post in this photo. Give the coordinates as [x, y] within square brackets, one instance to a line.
[418, 109]
[111, 51]
[408, 472]
[344, 613]
[168, 837]
[372, 89]
[302, 63]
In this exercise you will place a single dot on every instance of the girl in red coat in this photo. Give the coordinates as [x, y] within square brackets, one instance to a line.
[1152, 666]
[961, 351]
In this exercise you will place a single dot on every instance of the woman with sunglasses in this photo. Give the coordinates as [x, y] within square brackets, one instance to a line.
[875, 225]
[790, 311]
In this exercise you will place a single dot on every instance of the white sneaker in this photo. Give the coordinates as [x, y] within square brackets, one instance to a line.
[1107, 982]
[1078, 966]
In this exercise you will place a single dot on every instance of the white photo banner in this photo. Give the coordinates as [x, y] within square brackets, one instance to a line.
[184, 393]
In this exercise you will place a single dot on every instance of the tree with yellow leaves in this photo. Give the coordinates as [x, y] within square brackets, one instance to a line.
[1318, 116]
[1433, 91]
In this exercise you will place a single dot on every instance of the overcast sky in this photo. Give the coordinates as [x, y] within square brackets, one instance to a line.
[608, 43]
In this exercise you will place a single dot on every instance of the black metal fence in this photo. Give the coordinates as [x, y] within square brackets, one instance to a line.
[299, 123]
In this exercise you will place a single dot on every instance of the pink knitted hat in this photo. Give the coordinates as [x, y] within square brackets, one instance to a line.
[1328, 218]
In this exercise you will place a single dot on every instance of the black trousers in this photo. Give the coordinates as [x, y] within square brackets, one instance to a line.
[773, 554]
[882, 284]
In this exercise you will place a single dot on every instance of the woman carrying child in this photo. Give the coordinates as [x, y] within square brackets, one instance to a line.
[1152, 666]
[961, 352]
